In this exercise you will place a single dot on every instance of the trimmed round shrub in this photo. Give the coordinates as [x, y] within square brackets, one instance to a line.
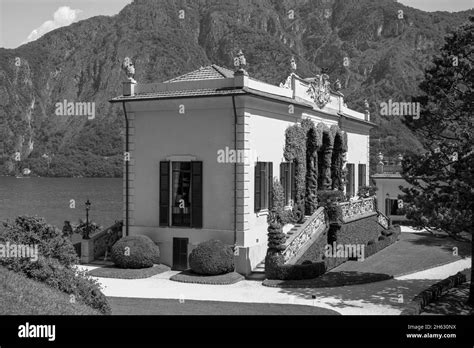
[370, 242]
[381, 237]
[212, 257]
[276, 238]
[135, 252]
[387, 233]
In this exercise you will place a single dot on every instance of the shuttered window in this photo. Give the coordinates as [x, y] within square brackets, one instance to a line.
[362, 175]
[350, 185]
[196, 194]
[164, 193]
[263, 185]
[287, 180]
[181, 194]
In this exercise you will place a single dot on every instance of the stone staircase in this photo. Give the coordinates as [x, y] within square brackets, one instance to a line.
[258, 273]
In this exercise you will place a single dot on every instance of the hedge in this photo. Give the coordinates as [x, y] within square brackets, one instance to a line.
[314, 263]
[355, 232]
[135, 252]
[376, 246]
[431, 294]
[55, 264]
[212, 257]
[276, 269]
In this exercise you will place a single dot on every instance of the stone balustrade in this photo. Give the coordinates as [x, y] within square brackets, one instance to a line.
[313, 225]
[383, 220]
[355, 209]
[98, 243]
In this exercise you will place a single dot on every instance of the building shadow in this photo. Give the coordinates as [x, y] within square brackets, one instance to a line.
[393, 293]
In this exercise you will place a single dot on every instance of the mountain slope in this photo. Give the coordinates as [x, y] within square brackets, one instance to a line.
[81, 62]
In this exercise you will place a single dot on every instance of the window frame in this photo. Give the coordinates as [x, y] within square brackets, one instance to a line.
[166, 194]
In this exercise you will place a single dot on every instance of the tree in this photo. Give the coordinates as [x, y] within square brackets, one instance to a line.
[441, 195]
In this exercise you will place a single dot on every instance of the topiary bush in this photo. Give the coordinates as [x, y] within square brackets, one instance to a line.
[276, 238]
[135, 252]
[212, 257]
[278, 195]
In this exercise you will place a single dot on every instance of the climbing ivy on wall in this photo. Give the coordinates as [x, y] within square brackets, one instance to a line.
[309, 146]
[295, 150]
[313, 142]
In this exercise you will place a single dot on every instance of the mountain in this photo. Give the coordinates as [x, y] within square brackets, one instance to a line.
[385, 52]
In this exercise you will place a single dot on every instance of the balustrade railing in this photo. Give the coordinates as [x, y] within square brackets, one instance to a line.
[313, 225]
[353, 209]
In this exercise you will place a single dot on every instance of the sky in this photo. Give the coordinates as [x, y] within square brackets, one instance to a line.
[22, 21]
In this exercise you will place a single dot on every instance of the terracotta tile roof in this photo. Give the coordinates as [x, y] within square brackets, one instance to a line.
[180, 94]
[209, 72]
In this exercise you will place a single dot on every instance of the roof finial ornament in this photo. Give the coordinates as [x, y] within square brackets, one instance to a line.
[240, 63]
[293, 64]
[367, 110]
[129, 69]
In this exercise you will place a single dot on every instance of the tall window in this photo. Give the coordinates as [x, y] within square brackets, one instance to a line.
[350, 184]
[362, 175]
[263, 185]
[287, 180]
[181, 194]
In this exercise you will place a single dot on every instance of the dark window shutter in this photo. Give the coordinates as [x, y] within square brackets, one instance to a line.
[283, 179]
[270, 185]
[293, 181]
[353, 180]
[196, 194]
[164, 192]
[362, 175]
[258, 187]
[387, 206]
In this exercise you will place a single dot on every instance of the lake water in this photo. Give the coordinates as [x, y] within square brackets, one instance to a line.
[50, 198]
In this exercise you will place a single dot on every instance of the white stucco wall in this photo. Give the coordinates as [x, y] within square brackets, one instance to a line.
[161, 131]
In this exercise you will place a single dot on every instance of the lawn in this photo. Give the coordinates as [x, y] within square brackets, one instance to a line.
[147, 306]
[22, 296]
[128, 273]
[412, 253]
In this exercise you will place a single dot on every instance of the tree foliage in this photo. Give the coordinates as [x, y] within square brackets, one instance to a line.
[441, 192]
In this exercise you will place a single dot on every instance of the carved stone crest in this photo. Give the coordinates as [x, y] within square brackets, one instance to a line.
[319, 89]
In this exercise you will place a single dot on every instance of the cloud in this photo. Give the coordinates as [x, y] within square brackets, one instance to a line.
[61, 18]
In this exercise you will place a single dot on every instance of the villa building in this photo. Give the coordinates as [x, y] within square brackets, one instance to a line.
[204, 149]
[388, 181]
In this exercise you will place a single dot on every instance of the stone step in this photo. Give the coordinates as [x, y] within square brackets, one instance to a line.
[256, 276]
